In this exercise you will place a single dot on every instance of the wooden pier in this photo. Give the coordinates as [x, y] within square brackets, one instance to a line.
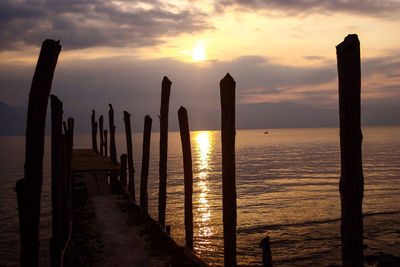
[121, 246]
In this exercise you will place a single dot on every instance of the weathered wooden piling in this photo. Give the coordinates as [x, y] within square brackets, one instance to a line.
[145, 163]
[29, 191]
[162, 193]
[57, 180]
[227, 91]
[65, 126]
[94, 131]
[266, 252]
[113, 150]
[123, 179]
[168, 229]
[131, 170]
[351, 180]
[105, 143]
[101, 132]
[188, 174]
[67, 205]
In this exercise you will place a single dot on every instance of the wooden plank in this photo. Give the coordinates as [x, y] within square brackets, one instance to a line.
[88, 160]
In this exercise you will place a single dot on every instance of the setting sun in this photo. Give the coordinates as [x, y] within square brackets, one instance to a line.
[199, 52]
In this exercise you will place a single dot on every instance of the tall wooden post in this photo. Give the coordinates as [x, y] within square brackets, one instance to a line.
[266, 252]
[227, 90]
[67, 204]
[123, 171]
[34, 149]
[94, 132]
[162, 193]
[188, 174]
[145, 163]
[105, 143]
[57, 183]
[131, 170]
[101, 132]
[113, 151]
[351, 180]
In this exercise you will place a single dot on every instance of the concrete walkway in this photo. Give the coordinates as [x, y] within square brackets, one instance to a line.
[122, 247]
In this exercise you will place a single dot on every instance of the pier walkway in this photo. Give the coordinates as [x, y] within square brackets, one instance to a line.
[122, 248]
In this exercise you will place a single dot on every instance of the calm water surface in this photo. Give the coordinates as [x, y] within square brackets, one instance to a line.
[287, 188]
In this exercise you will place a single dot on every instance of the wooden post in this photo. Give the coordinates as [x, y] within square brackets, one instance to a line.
[266, 252]
[188, 174]
[227, 88]
[145, 163]
[123, 171]
[105, 143]
[70, 144]
[94, 132]
[131, 170]
[162, 193]
[101, 132]
[351, 180]
[113, 151]
[57, 183]
[35, 129]
[168, 229]
[65, 189]
[65, 126]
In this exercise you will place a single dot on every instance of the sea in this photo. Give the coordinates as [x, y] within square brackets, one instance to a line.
[287, 185]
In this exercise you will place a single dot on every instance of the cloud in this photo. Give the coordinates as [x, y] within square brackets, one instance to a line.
[306, 7]
[134, 85]
[93, 23]
[314, 58]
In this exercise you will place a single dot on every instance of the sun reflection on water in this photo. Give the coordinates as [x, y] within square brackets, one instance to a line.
[203, 150]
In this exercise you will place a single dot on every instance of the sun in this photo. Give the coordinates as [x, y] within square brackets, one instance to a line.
[199, 52]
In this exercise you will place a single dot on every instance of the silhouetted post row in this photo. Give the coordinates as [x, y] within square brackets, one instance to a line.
[351, 180]
[145, 163]
[228, 132]
[94, 131]
[101, 132]
[162, 194]
[29, 189]
[188, 174]
[131, 170]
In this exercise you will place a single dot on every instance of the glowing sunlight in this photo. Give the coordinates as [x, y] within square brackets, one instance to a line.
[203, 152]
[199, 52]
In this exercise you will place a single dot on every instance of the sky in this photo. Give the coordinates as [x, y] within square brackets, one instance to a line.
[118, 51]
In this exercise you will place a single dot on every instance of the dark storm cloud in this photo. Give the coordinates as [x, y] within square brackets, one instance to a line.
[84, 23]
[305, 7]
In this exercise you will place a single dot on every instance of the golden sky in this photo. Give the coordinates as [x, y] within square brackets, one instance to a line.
[277, 50]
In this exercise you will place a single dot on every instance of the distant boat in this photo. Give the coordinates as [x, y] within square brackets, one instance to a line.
[266, 132]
